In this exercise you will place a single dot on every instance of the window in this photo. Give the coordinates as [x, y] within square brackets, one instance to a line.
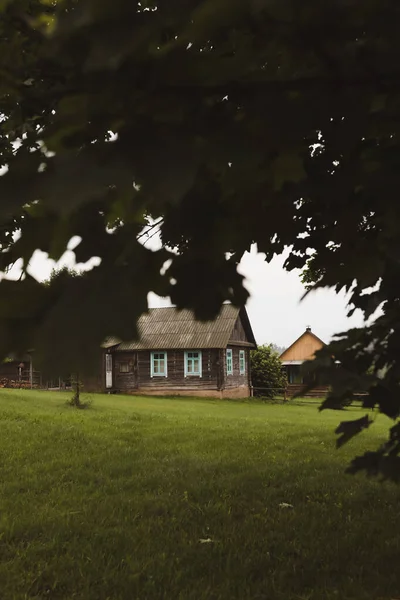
[124, 367]
[229, 362]
[109, 373]
[193, 363]
[158, 364]
[242, 362]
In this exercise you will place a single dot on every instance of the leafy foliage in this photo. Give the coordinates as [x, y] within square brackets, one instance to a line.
[267, 375]
[278, 349]
[60, 273]
[234, 122]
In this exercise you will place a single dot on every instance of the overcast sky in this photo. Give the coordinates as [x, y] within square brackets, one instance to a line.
[275, 308]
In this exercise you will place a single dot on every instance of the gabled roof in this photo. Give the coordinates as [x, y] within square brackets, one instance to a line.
[170, 328]
[308, 333]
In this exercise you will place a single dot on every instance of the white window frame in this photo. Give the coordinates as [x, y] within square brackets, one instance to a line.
[242, 362]
[229, 355]
[109, 370]
[198, 373]
[152, 359]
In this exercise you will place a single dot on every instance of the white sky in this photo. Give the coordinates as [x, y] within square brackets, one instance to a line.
[275, 308]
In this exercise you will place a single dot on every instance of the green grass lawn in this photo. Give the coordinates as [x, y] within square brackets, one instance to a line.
[116, 502]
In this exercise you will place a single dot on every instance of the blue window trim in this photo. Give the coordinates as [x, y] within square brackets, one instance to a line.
[242, 362]
[152, 374]
[229, 353]
[200, 373]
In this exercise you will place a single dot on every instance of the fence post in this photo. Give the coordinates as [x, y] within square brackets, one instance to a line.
[285, 395]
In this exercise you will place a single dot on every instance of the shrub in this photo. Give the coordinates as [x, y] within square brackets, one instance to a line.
[267, 374]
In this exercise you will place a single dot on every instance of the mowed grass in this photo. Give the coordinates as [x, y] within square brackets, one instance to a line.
[143, 498]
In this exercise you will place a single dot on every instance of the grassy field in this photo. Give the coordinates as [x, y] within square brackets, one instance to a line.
[180, 499]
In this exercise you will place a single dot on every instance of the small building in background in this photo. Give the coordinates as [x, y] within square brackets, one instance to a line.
[303, 349]
[18, 372]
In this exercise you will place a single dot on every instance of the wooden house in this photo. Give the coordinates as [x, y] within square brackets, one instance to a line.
[302, 349]
[178, 355]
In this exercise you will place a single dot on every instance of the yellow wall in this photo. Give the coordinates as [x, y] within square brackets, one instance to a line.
[304, 348]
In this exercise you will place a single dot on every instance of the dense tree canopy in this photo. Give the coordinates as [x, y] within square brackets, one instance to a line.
[232, 122]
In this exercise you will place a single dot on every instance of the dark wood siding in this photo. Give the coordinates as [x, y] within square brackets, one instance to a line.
[236, 379]
[248, 366]
[125, 380]
[136, 373]
[139, 375]
[238, 333]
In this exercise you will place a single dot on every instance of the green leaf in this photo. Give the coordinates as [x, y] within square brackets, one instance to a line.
[4, 4]
[287, 168]
[378, 103]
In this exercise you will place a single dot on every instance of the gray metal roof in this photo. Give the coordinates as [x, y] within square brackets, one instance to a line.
[170, 328]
